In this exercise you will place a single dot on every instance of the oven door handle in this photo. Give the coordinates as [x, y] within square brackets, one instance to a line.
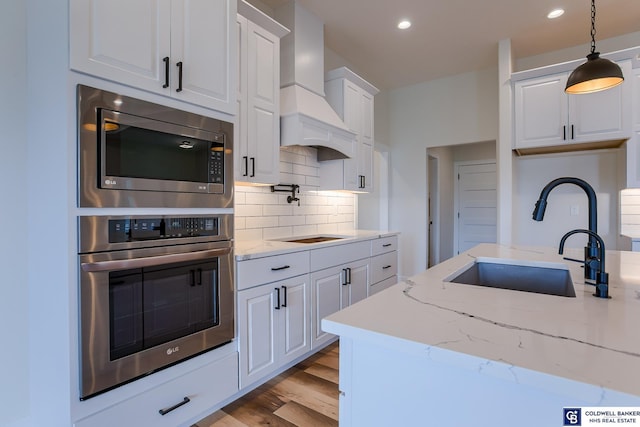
[152, 260]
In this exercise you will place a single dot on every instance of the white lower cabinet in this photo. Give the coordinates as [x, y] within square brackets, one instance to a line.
[384, 263]
[181, 399]
[283, 298]
[339, 278]
[334, 289]
[273, 326]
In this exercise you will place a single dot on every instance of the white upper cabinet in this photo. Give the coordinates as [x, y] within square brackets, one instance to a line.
[178, 48]
[545, 116]
[257, 154]
[352, 98]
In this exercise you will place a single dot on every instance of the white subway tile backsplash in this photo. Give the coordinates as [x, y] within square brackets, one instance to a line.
[253, 234]
[285, 221]
[305, 230]
[247, 210]
[261, 221]
[262, 214]
[305, 170]
[277, 233]
[630, 212]
[317, 219]
[278, 210]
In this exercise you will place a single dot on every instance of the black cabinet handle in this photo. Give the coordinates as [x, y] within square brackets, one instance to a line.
[277, 307]
[199, 277]
[386, 245]
[284, 267]
[176, 406]
[564, 132]
[284, 288]
[572, 133]
[192, 273]
[166, 72]
[179, 65]
[246, 165]
[344, 282]
[386, 266]
[253, 167]
[348, 275]
[364, 181]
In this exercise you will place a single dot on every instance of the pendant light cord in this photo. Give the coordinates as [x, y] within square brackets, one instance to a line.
[593, 26]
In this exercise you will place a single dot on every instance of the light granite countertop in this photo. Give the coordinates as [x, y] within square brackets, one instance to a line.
[513, 335]
[251, 249]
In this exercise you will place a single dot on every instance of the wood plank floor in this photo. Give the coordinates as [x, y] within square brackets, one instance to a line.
[304, 395]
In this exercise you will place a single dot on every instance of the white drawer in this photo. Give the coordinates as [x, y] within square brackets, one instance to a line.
[254, 272]
[384, 266]
[339, 254]
[383, 245]
[204, 387]
[380, 286]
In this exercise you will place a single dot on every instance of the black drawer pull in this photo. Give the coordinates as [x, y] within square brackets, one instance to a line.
[386, 245]
[386, 266]
[176, 406]
[284, 267]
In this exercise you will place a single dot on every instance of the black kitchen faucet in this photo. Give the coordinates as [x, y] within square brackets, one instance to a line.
[593, 253]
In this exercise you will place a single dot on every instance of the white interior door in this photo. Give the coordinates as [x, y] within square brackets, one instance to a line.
[476, 204]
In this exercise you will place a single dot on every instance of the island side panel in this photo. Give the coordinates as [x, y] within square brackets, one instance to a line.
[386, 386]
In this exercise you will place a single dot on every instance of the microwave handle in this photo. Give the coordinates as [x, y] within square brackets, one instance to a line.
[151, 261]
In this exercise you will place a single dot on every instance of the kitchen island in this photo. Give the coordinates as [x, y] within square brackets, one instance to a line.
[430, 352]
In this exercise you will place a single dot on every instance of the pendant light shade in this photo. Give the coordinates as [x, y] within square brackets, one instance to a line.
[597, 73]
[594, 75]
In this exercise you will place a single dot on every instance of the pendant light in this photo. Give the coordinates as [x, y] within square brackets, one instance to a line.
[597, 73]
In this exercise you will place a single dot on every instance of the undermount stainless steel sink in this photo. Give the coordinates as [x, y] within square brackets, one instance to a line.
[528, 276]
[314, 239]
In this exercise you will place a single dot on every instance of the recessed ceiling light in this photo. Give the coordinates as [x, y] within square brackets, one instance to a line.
[404, 24]
[555, 13]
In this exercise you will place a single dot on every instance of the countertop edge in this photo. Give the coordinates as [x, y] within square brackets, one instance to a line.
[254, 249]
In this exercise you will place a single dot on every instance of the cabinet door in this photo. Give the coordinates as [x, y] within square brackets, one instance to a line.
[365, 159]
[257, 323]
[295, 320]
[635, 94]
[353, 120]
[240, 147]
[540, 111]
[263, 105]
[603, 115]
[633, 161]
[359, 278]
[203, 50]
[327, 290]
[121, 40]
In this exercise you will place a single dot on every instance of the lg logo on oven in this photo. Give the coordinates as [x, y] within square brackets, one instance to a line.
[172, 350]
[110, 182]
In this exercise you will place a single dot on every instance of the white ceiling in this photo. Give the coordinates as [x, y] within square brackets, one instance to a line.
[455, 36]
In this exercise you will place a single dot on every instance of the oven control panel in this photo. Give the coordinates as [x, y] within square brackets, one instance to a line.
[134, 229]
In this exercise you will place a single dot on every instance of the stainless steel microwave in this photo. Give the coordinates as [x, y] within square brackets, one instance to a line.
[133, 153]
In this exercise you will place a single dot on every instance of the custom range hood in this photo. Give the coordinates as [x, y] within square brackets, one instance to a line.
[305, 116]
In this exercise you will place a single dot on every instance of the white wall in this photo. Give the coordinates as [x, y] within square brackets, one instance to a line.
[14, 305]
[449, 111]
[531, 174]
[51, 194]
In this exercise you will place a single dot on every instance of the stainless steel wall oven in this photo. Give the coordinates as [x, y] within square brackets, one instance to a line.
[133, 153]
[154, 290]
